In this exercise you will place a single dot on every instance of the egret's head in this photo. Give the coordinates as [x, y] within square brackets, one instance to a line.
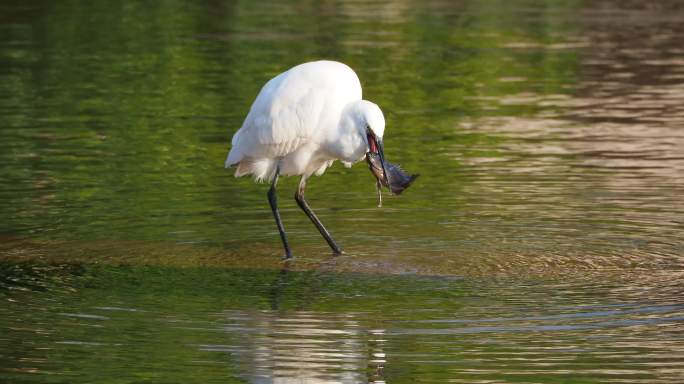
[372, 123]
[371, 118]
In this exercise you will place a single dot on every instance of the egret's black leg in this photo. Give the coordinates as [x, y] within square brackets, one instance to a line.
[299, 197]
[273, 200]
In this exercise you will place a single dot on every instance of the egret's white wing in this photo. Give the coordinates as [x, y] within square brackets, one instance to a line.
[279, 121]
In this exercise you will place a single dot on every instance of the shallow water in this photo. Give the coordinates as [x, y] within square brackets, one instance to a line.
[541, 243]
[127, 324]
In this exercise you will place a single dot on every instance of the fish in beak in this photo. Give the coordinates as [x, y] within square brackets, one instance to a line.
[386, 173]
[376, 150]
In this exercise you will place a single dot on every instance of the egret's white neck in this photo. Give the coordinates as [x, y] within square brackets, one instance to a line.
[348, 142]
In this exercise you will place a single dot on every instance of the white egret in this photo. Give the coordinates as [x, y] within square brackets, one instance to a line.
[301, 122]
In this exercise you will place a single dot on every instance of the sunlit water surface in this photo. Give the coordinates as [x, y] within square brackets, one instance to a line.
[541, 243]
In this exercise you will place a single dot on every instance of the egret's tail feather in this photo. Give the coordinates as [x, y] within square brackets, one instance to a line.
[261, 169]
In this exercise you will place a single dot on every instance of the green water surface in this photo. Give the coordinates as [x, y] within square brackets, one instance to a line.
[542, 242]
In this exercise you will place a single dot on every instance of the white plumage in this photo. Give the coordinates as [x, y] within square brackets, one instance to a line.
[300, 123]
[305, 119]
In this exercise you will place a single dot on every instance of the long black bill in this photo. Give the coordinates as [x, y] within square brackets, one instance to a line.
[381, 154]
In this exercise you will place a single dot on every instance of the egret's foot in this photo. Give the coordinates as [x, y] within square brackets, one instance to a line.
[337, 252]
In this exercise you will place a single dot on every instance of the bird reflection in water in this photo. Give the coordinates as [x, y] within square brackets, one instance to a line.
[282, 345]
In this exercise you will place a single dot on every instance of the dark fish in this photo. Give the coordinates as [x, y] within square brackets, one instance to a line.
[398, 179]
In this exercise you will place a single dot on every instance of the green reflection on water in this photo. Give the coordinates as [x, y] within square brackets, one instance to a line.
[104, 324]
[129, 254]
[122, 135]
